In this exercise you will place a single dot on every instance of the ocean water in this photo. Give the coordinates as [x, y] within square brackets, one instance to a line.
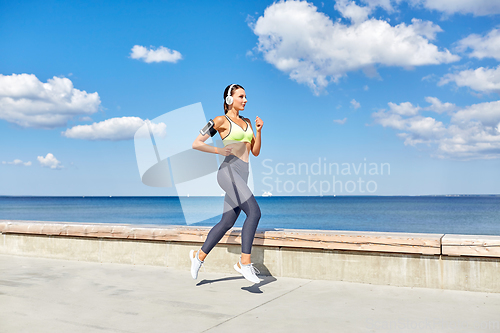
[475, 215]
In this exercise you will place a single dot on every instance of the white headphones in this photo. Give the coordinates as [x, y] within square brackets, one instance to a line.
[229, 98]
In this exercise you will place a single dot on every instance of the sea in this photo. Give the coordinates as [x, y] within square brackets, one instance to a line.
[471, 215]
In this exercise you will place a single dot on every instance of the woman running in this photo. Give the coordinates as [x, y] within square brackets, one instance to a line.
[238, 139]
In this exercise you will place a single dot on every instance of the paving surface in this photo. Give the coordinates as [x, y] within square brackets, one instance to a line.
[51, 295]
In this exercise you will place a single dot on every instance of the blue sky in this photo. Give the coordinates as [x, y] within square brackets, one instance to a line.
[410, 84]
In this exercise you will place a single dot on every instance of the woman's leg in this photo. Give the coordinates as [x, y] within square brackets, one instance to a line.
[231, 208]
[249, 228]
[232, 177]
[229, 217]
[241, 193]
[252, 210]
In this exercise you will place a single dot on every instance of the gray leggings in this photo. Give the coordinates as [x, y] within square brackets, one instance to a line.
[232, 178]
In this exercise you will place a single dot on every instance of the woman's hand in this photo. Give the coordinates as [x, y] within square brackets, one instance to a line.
[224, 151]
[258, 123]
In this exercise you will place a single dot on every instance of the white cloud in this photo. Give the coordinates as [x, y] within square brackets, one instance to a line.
[404, 109]
[473, 132]
[18, 162]
[448, 7]
[355, 104]
[340, 121]
[470, 141]
[416, 129]
[487, 113]
[475, 7]
[425, 28]
[151, 55]
[438, 106]
[113, 129]
[430, 77]
[481, 79]
[49, 161]
[312, 49]
[389, 119]
[425, 127]
[487, 46]
[26, 101]
[351, 11]
[385, 4]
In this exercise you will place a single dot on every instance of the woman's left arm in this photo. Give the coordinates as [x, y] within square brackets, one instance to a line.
[256, 141]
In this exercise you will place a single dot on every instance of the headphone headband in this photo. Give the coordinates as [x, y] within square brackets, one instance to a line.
[229, 98]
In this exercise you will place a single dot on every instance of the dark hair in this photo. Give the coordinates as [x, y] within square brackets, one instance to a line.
[236, 86]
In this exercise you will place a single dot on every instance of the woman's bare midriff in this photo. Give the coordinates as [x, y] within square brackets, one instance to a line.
[240, 150]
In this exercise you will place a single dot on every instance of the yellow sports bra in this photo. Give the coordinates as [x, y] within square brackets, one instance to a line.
[237, 134]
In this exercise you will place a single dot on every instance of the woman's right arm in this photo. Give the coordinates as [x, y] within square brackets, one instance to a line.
[199, 142]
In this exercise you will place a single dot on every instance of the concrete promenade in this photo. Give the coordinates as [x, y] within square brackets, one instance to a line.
[54, 295]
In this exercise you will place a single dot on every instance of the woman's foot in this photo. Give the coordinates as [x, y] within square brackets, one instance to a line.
[195, 263]
[248, 271]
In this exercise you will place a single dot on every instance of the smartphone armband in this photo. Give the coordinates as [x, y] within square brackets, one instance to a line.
[209, 128]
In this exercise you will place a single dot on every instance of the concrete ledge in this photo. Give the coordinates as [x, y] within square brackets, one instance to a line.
[471, 245]
[315, 239]
[458, 262]
[352, 240]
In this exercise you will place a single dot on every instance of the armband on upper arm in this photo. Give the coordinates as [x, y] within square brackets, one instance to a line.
[209, 128]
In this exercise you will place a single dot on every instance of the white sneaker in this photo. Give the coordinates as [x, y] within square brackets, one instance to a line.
[195, 264]
[248, 272]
